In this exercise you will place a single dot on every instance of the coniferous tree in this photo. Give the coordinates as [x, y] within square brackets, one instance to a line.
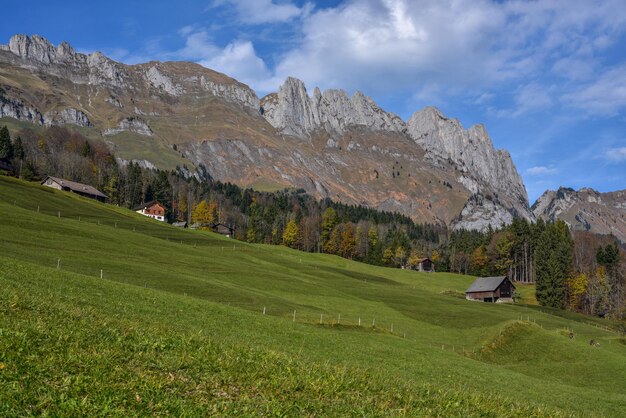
[6, 147]
[553, 261]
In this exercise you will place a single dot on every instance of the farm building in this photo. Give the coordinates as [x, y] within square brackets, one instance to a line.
[153, 209]
[74, 187]
[491, 289]
[222, 229]
[426, 264]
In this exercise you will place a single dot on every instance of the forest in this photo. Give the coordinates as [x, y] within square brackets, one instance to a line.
[572, 270]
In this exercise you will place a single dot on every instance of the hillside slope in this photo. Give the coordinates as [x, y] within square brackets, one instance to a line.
[176, 325]
[585, 210]
[346, 148]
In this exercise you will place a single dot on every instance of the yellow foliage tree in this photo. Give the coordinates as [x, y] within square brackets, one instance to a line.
[479, 260]
[202, 214]
[577, 287]
[291, 234]
[414, 259]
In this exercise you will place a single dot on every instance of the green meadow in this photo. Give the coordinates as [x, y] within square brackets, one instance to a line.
[106, 312]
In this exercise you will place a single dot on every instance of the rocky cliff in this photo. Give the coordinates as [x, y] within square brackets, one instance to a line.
[585, 209]
[498, 192]
[330, 144]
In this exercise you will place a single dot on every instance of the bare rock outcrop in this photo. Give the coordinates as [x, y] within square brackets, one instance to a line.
[585, 209]
[291, 111]
[130, 125]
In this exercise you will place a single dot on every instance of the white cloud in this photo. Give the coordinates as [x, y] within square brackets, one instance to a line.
[616, 155]
[238, 59]
[605, 95]
[263, 11]
[432, 50]
[541, 170]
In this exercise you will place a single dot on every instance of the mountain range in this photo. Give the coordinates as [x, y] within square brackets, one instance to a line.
[167, 114]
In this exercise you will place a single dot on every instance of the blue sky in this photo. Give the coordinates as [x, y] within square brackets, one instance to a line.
[546, 77]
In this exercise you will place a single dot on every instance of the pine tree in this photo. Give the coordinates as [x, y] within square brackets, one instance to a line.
[6, 147]
[553, 260]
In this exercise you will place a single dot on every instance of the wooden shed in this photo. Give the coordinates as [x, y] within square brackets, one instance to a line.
[491, 289]
[223, 229]
[426, 264]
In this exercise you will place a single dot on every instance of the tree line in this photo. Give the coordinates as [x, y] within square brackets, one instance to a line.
[573, 270]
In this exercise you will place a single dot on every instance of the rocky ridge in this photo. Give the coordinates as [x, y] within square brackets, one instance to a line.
[585, 209]
[498, 190]
[330, 144]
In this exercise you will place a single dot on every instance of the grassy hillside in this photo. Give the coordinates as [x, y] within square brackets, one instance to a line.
[176, 326]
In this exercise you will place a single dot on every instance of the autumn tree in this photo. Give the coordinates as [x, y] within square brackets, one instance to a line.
[329, 221]
[291, 234]
[348, 241]
[202, 214]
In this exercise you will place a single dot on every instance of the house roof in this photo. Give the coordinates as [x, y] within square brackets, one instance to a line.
[76, 187]
[486, 284]
[148, 204]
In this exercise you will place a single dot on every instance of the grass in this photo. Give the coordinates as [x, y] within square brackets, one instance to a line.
[176, 326]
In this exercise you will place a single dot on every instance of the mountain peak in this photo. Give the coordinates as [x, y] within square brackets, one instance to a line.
[292, 112]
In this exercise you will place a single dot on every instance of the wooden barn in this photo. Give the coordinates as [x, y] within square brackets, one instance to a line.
[74, 187]
[426, 264]
[222, 229]
[491, 289]
[153, 209]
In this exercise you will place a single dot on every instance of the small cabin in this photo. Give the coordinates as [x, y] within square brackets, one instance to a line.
[154, 210]
[491, 289]
[84, 190]
[182, 224]
[222, 229]
[426, 265]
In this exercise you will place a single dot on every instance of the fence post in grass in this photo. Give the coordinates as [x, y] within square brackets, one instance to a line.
[294, 316]
[59, 264]
[359, 321]
[339, 319]
[373, 322]
[101, 274]
[264, 310]
[321, 319]
[391, 328]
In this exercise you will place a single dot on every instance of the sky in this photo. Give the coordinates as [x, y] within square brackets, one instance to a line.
[546, 77]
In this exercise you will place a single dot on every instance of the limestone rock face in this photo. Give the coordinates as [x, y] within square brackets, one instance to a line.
[131, 125]
[67, 116]
[162, 82]
[231, 92]
[291, 111]
[16, 109]
[585, 209]
[482, 166]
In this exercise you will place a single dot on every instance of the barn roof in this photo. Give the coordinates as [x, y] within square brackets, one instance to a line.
[77, 187]
[486, 284]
